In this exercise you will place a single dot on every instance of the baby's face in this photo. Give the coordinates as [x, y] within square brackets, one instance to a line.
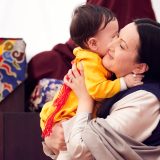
[105, 36]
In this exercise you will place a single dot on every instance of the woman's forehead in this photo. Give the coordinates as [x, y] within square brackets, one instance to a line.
[130, 35]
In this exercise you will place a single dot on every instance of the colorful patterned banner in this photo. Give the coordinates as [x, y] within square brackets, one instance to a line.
[12, 65]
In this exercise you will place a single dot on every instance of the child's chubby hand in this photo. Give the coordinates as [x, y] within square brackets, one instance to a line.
[132, 80]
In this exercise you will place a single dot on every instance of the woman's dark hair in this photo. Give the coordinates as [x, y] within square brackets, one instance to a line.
[86, 22]
[149, 49]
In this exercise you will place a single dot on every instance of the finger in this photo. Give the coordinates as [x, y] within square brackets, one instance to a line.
[70, 73]
[65, 78]
[75, 70]
[81, 69]
[139, 76]
[69, 77]
[62, 143]
[68, 82]
[138, 83]
[55, 151]
[59, 147]
[138, 79]
[64, 148]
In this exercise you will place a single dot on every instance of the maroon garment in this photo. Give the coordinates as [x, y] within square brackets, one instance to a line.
[127, 10]
[52, 64]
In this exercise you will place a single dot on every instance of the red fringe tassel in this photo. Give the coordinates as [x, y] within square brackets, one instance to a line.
[58, 104]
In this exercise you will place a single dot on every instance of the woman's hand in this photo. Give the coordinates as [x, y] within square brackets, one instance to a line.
[55, 141]
[76, 81]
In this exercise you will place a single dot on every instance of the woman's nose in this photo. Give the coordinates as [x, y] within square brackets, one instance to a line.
[113, 44]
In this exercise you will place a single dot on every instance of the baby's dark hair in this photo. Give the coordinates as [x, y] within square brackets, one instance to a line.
[86, 22]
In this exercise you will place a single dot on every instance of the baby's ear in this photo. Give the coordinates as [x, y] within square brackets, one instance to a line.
[141, 68]
[92, 44]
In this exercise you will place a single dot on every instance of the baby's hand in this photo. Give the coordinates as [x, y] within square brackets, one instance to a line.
[133, 80]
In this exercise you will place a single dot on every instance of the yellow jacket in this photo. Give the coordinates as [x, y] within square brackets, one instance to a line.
[97, 83]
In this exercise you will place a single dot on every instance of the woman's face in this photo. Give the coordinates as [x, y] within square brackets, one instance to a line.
[121, 57]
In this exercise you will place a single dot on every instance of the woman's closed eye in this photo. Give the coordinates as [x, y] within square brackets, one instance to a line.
[121, 46]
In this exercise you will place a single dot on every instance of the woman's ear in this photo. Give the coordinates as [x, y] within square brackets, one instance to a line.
[141, 68]
[92, 44]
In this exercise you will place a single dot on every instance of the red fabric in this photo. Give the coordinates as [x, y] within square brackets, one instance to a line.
[127, 10]
[58, 104]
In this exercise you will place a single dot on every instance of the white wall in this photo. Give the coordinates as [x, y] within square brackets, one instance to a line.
[41, 23]
[156, 7]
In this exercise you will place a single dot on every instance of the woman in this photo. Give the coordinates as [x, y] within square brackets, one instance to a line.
[134, 116]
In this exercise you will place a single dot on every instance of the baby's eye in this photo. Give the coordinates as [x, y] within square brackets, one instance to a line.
[116, 36]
